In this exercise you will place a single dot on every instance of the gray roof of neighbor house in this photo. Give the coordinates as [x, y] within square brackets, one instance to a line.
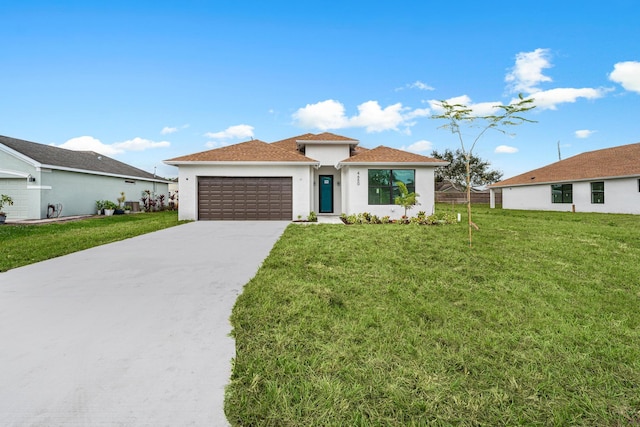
[89, 161]
[614, 162]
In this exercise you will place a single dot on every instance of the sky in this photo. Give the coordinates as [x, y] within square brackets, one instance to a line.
[146, 81]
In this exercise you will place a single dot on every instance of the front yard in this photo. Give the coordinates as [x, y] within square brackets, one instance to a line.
[25, 244]
[538, 324]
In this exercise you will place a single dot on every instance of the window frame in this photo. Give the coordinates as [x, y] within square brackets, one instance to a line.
[566, 193]
[389, 188]
[595, 192]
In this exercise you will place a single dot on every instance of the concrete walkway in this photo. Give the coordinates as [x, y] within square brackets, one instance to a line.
[133, 333]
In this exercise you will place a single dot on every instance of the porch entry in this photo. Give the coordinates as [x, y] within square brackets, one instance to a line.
[326, 193]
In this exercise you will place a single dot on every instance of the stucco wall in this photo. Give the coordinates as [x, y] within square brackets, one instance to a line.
[327, 155]
[188, 184]
[356, 197]
[620, 196]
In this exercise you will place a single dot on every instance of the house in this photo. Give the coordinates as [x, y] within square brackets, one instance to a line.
[284, 180]
[606, 180]
[45, 180]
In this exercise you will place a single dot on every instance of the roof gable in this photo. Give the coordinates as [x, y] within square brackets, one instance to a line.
[384, 154]
[249, 151]
[327, 136]
[290, 143]
[56, 157]
[612, 162]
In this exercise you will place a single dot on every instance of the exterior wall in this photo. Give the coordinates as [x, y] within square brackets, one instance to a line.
[327, 155]
[620, 196]
[13, 182]
[78, 192]
[188, 184]
[355, 191]
[16, 188]
[337, 189]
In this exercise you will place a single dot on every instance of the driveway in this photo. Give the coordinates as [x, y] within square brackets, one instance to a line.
[133, 333]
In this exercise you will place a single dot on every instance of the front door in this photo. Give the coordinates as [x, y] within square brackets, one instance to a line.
[326, 193]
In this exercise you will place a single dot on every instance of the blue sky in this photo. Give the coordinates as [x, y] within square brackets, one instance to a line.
[146, 81]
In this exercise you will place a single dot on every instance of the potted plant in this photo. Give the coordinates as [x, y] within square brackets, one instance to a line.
[109, 207]
[99, 206]
[120, 209]
[4, 200]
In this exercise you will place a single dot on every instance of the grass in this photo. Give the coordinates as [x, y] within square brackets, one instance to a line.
[25, 244]
[389, 325]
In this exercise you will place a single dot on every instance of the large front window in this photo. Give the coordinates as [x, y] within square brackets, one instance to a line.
[597, 192]
[562, 193]
[382, 184]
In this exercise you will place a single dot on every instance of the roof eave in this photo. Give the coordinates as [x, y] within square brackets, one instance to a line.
[93, 172]
[238, 162]
[597, 178]
[382, 163]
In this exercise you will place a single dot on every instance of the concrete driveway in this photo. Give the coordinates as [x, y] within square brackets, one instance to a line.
[133, 333]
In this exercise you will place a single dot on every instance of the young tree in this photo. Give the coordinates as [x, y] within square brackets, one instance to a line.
[456, 171]
[459, 117]
[405, 199]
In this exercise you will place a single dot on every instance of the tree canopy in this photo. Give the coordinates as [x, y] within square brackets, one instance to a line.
[456, 171]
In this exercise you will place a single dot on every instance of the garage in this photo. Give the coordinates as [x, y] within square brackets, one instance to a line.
[245, 198]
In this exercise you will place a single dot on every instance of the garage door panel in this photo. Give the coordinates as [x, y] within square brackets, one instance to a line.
[245, 198]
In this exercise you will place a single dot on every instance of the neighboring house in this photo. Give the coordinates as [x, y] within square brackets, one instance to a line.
[325, 173]
[606, 180]
[39, 177]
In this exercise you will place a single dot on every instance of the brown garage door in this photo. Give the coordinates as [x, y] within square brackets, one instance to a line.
[244, 198]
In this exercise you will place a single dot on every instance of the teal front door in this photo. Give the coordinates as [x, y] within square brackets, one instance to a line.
[326, 193]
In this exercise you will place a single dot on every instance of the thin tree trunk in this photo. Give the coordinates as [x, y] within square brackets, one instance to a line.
[469, 197]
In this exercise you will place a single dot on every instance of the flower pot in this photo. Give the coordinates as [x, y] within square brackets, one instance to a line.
[109, 212]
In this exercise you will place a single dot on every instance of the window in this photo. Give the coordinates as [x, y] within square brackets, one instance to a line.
[562, 193]
[597, 192]
[382, 184]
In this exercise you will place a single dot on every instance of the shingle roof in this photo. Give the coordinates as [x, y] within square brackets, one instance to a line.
[384, 154]
[250, 151]
[80, 160]
[327, 136]
[290, 143]
[612, 162]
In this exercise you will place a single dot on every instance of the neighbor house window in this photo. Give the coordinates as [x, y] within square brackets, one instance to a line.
[382, 184]
[597, 192]
[562, 193]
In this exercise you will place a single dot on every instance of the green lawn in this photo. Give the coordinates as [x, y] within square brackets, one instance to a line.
[25, 244]
[401, 325]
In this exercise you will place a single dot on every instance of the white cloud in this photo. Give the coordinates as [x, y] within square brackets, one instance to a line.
[216, 144]
[140, 144]
[376, 119]
[627, 74]
[416, 85]
[505, 149]
[330, 114]
[89, 143]
[479, 109]
[232, 132]
[419, 146]
[167, 130]
[584, 133]
[323, 115]
[549, 99]
[527, 72]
